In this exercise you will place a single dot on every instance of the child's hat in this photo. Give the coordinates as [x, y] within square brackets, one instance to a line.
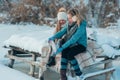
[62, 16]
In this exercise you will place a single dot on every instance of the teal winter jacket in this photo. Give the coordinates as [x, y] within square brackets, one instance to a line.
[80, 36]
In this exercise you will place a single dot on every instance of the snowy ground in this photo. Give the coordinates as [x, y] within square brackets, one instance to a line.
[109, 38]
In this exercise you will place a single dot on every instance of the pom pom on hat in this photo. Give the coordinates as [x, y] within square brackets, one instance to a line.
[62, 9]
[62, 16]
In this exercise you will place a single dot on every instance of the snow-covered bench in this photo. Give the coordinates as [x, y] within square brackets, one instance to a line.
[26, 48]
[90, 64]
[16, 53]
[86, 60]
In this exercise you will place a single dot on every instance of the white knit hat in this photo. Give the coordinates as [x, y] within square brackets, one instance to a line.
[62, 16]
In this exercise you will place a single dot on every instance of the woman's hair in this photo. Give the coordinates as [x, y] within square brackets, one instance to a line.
[58, 27]
[75, 12]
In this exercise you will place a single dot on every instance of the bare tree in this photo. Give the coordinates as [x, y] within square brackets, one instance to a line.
[103, 12]
[96, 11]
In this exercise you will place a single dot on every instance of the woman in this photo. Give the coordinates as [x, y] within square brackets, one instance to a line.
[73, 42]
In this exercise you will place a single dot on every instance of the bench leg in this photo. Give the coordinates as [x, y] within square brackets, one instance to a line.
[32, 67]
[11, 63]
[108, 75]
[113, 76]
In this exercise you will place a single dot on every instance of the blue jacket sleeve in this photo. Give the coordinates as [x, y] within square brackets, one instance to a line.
[77, 35]
[60, 33]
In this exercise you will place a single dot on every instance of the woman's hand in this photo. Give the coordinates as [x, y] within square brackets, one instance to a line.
[59, 50]
[50, 39]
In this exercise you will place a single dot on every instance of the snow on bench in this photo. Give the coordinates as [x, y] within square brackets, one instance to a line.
[32, 42]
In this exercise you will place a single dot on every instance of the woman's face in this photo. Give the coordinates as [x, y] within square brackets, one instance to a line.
[70, 18]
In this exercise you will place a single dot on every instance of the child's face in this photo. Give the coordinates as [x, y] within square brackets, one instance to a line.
[62, 22]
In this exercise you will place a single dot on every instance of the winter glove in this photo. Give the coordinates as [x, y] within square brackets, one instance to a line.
[51, 61]
[50, 39]
[59, 50]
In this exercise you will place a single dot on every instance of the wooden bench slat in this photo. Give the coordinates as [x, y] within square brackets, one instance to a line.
[109, 70]
[24, 60]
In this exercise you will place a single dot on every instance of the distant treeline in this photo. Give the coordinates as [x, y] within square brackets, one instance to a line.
[103, 12]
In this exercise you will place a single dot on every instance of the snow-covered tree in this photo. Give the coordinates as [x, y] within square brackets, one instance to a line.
[103, 12]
